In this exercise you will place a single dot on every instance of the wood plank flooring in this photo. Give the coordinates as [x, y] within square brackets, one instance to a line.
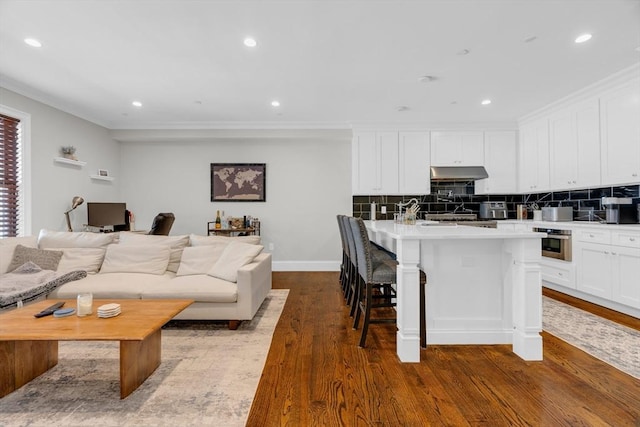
[316, 375]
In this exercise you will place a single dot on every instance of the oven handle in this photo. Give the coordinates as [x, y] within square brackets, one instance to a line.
[553, 236]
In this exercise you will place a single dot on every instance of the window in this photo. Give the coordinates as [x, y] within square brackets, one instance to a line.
[14, 179]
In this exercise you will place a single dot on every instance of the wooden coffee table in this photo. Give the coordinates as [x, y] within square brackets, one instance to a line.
[29, 346]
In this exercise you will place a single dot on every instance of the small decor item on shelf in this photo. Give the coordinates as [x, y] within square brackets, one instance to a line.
[218, 220]
[68, 152]
[103, 172]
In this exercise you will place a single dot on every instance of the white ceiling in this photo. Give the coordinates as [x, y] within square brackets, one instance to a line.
[330, 63]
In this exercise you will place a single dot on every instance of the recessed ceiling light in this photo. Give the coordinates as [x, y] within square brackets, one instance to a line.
[530, 39]
[275, 103]
[402, 108]
[486, 102]
[583, 38]
[426, 79]
[250, 42]
[136, 104]
[33, 42]
[463, 52]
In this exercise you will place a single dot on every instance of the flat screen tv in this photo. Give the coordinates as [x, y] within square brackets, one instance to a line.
[106, 214]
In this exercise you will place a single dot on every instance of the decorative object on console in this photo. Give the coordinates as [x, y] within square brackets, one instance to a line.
[103, 172]
[77, 201]
[238, 182]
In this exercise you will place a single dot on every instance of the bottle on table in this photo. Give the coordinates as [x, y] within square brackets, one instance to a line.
[218, 220]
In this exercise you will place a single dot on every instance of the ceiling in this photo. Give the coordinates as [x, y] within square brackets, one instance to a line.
[330, 63]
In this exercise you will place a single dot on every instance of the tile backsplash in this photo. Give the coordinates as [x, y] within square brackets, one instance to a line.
[459, 197]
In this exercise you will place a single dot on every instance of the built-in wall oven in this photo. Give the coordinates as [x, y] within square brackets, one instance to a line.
[557, 244]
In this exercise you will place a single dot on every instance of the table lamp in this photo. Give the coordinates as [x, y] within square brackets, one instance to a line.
[77, 201]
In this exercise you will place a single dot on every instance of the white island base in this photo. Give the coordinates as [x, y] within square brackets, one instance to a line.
[483, 286]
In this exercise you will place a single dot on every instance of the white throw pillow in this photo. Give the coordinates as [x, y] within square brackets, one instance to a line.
[150, 259]
[8, 245]
[195, 240]
[199, 259]
[64, 239]
[87, 259]
[176, 243]
[234, 256]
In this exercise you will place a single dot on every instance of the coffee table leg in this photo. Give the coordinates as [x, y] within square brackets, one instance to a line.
[138, 360]
[22, 361]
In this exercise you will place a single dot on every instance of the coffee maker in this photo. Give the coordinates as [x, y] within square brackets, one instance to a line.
[619, 210]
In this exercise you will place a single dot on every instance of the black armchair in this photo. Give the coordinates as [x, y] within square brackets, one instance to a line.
[162, 224]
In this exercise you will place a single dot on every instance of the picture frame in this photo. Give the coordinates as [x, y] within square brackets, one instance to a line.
[238, 182]
[103, 172]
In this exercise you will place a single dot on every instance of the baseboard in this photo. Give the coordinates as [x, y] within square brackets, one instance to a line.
[305, 266]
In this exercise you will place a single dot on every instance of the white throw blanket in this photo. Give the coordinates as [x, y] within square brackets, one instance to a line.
[29, 282]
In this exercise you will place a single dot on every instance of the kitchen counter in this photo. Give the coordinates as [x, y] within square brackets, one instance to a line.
[483, 285]
[572, 224]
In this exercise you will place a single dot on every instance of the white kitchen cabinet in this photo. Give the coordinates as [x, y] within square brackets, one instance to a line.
[608, 265]
[620, 132]
[414, 160]
[574, 143]
[500, 163]
[534, 156]
[375, 163]
[595, 269]
[457, 148]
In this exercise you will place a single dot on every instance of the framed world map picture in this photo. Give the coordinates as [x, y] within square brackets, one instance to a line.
[238, 182]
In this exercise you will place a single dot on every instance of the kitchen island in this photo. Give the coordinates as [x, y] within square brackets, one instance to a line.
[483, 285]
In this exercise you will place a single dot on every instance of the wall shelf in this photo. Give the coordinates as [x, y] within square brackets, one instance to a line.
[69, 161]
[102, 178]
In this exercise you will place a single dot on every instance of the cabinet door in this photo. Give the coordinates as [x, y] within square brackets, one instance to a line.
[500, 162]
[625, 272]
[586, 118]
[534, 157]
[375, 163]
[364, 167]
[620, 122]
[414, 161]
[594, 270]
[457, 149]
[563, 151]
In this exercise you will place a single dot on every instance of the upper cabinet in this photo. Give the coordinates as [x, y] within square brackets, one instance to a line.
[390, 163]
[574, 142]
[500, 162]
[457, 148]
[414, 158]
[620, 130]
[533, 157]
[375, 163]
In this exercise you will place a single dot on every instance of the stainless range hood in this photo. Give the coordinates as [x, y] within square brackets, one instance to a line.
[458, 173]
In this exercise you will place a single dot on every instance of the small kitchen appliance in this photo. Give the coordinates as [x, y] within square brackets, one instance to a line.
[557, 214]
[619, 210]
[493, 210]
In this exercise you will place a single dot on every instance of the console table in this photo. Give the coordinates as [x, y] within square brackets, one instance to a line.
[213, 231]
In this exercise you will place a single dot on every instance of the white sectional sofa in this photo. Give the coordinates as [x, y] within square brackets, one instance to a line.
[227, 277]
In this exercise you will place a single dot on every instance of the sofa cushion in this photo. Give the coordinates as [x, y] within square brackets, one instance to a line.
[64, 239]
[195, 240]
[87, 259]
[200, 288]
[176, 243]
[234, 256]
[199, 259]
[112, 286]
[8, 245]
[46, 260]
[150, 259]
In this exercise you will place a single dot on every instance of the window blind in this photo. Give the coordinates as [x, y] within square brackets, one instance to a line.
[9, 175]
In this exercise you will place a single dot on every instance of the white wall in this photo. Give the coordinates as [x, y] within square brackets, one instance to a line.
[53, 185]
[307, 183]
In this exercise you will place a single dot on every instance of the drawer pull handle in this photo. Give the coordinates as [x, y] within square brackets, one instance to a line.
[632, 239]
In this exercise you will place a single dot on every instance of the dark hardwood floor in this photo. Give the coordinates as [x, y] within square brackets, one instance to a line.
[316, 375]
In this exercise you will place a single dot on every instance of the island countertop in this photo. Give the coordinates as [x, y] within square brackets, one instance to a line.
[433, 230]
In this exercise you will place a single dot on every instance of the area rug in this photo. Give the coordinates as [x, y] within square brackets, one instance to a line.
[208, 376]
[615, 344]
